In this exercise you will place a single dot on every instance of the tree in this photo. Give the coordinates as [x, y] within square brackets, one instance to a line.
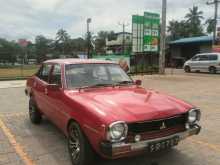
[31, 51]
[78, 44]
[112, 36]
[189, 27]
[100, 41]
[177, 29]
[89, 43]
[42, 45]
[193, 19]
[63, 41]
[210, 25]
[9, 51]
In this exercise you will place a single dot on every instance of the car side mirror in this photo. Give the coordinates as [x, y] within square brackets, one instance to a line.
[138, 82]
[53, 87]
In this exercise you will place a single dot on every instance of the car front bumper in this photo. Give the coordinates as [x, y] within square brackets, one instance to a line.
[122, 149]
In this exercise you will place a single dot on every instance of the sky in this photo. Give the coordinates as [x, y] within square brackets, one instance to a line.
[29, 18]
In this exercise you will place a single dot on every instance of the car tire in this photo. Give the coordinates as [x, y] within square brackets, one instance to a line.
[79, 148]
[34, 114]
[187, 69]
[212, 70]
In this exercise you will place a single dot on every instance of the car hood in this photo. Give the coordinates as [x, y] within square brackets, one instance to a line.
[129, 104]
[187, 62]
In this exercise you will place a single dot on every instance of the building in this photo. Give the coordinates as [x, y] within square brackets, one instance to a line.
[116, 46]
[185, 48]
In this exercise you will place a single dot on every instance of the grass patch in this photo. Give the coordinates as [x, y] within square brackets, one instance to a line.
[18, 71]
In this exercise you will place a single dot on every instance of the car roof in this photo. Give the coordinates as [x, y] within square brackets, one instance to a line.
[79, 61]
[202, 54]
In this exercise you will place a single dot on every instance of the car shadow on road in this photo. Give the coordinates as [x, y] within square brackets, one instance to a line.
[144, 159]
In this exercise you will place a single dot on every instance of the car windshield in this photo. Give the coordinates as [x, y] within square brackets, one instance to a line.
[93, 75]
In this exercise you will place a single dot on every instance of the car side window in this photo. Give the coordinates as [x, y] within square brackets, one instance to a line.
[56, 75]
[203, 58]
[44, 72]
[213, 57]
[196, 58]
[38, 74]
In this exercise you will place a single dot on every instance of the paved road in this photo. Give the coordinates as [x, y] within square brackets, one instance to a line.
[22, 143]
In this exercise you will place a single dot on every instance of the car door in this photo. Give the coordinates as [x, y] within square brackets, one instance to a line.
[213, 60]
[40, 87]
[203, 63]
[194, 63]
[55, 97]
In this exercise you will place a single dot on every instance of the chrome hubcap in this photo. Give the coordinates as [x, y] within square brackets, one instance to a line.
[74, 144]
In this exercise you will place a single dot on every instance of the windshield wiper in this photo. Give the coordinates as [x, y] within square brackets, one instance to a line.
[125, 83]
[107, 85]
[95, 86]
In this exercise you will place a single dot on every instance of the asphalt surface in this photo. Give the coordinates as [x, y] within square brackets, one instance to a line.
[22, 143]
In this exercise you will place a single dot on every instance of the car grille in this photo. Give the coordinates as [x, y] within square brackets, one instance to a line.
[153, 129]
[156, 134]
[156, 125]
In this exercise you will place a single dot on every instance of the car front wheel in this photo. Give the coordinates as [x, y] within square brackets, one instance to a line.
[187, 69]
[34, 114]
[79, 148]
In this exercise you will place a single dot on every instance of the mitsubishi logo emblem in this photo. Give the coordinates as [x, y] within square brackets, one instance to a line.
[163, 126]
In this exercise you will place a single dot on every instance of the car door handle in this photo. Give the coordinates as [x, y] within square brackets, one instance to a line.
[46, 91]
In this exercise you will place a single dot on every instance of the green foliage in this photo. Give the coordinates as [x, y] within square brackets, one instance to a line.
[78, 44]
[9, 51]
[193, 19]
[210, 25]
[42, 46]
[63, 42]
[189, 27]
[100, 41]
[178, 29]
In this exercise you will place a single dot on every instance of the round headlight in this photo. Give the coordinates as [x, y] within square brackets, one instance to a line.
[193, 116]
[117, 131]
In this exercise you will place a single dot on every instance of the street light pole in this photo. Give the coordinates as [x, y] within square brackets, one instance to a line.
[89, 20]
[163, 39]
[123, 40]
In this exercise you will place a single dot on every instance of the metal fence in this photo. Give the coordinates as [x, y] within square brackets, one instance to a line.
[144, 63]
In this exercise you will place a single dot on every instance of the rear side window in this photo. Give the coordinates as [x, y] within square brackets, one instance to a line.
[44, 72]
[213, 57]
[56, 75]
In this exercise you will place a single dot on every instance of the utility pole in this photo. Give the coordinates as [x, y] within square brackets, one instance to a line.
[163, 39]
[88, 21]
[123, 41]
[214, 2]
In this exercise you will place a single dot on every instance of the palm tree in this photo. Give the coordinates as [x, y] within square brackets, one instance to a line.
[62, 39]
[194, 18]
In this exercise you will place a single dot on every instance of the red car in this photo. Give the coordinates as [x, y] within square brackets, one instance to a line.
[102, 110]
